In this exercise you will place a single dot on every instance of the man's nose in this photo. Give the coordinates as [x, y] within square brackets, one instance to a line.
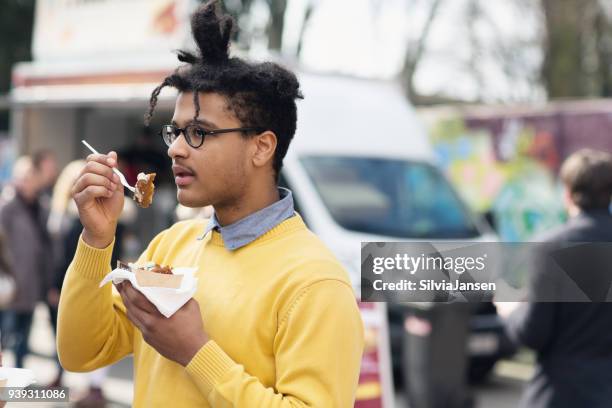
[178, 148]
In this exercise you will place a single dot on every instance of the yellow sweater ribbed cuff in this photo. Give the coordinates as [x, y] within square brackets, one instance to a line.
[209, 365]
[92, 263]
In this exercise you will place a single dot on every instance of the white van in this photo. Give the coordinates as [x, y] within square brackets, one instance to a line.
[362, 169]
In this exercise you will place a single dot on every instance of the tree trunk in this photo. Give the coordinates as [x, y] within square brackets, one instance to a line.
[603, 30]
[563, 70]
[276, 24]
[307, 15]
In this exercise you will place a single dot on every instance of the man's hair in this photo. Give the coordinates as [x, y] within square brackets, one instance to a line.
[261, 95]
[587, 174]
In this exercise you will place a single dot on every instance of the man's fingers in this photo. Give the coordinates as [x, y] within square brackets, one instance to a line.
[129, 308]
[91, 179]
[95, 167]
[106, 159]
[91, 193]
[102, 165]
[96, 173]
[138, 299]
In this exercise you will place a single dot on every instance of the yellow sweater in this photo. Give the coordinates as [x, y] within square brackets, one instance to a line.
[284, 325]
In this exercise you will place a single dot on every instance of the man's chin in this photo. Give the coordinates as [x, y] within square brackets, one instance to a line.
[188, 199]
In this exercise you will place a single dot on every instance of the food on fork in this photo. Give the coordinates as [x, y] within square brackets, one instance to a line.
[144, 189]
[153, 274]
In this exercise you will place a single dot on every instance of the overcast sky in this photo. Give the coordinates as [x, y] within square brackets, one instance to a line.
[369, 38]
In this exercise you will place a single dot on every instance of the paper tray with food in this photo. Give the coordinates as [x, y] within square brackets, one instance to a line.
[167, 288]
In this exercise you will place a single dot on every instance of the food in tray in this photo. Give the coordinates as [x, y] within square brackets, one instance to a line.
[153, 274]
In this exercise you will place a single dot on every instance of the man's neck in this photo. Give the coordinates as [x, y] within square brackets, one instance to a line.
[259, 199]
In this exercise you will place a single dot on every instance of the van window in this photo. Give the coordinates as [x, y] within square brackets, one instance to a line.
[396, 198]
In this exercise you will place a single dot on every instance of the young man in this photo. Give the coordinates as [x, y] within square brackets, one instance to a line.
[274, 321]
[573, 340]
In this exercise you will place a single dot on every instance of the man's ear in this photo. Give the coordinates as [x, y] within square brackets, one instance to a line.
[264, 148]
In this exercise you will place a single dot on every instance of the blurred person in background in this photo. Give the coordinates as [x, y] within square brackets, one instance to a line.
[46, 167]
[572, 341]
[7, 280]
[23, 222]
[65, 228]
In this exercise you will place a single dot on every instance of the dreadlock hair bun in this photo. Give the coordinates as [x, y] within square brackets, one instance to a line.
[260, 94]
[211, 32]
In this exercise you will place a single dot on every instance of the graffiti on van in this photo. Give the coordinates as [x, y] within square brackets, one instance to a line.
[510, 170]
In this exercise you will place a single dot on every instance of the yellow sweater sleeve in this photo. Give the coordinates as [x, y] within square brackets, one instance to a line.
[318, 348]
[93, 330]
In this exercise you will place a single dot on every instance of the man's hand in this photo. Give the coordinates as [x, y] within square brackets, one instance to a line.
[178, 338]
[98, 194]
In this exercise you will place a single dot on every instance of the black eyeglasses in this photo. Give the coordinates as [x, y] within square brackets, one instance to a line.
[195, 135]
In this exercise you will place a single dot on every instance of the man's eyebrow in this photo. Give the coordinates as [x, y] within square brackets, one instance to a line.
[204, 122]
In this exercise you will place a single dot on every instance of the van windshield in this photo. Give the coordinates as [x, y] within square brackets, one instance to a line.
[396, 198]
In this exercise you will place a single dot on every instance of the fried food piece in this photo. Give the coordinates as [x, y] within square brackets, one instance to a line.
[153, 275]
[144, 189]
[161, 269]
[149, 266]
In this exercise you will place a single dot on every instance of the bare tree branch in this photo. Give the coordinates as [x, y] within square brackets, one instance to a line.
[413, 57]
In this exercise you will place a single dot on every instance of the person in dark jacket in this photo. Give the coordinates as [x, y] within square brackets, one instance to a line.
[23, 222]
[573, 340]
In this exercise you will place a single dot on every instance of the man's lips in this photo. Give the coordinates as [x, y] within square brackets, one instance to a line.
[182, 175]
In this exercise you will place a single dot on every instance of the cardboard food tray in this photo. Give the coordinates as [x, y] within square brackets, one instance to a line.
[160, 280]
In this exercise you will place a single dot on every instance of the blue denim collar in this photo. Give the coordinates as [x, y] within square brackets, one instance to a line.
[251, 227]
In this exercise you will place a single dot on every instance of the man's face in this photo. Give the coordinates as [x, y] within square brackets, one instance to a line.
[216, 173]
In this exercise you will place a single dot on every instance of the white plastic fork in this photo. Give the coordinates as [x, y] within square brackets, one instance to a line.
[115, 170]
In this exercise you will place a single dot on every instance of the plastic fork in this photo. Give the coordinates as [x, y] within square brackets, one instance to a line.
[115, 170]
